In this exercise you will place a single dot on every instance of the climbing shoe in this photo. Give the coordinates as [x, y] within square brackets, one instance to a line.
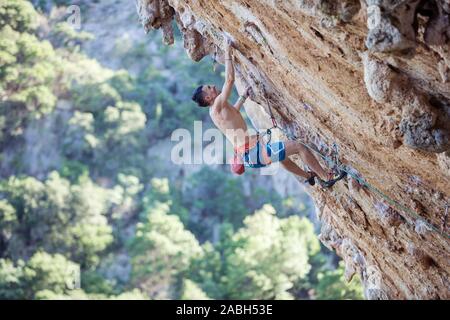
[328, 184]
[311, 180]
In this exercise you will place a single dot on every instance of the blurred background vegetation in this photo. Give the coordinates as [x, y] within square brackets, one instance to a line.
[90, 205]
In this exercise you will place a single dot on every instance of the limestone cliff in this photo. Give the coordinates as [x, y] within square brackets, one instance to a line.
[371, 77]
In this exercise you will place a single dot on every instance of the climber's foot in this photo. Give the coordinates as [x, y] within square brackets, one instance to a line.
[311, 180]
[332, 179]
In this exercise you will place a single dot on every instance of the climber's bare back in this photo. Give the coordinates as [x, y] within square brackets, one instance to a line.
[229, 121]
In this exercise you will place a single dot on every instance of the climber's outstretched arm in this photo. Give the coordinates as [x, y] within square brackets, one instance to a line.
[229, 72]
[242, 98]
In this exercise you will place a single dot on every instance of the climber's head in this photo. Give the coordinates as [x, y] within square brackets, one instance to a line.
[205, 95]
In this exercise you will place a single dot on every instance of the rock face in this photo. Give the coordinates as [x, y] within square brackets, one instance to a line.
[371, 78]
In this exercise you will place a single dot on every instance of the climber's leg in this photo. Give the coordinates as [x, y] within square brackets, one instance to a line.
[290, 166]
[293, 147]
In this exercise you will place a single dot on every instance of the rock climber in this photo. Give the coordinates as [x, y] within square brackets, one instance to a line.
[250, 150]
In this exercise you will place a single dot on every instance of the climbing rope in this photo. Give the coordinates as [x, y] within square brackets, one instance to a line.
[444, 222]
[214, 59]
[335, 163]
[362, 182]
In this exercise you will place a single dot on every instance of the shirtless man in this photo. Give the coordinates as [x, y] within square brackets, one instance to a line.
[250, 149]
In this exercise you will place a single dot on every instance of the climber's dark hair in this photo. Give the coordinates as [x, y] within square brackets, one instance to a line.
[199, 97]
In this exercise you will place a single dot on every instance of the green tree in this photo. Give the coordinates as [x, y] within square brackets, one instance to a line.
[56, 216]
[28, 69]
[262, 260]
[160, 191]
[42, 273]
[79, 140]
[121, 121]
[64, 35]
[8, 220]
[11, 286]
[214, 197]
[272, 255]
[191, 291]
[161, 250]
[19, 15]
[94, 97]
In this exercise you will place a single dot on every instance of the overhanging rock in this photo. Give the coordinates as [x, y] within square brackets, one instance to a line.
[371, 77]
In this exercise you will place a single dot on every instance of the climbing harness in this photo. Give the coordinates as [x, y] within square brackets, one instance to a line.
[344, 170]
[237, 165]
[332, 164]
